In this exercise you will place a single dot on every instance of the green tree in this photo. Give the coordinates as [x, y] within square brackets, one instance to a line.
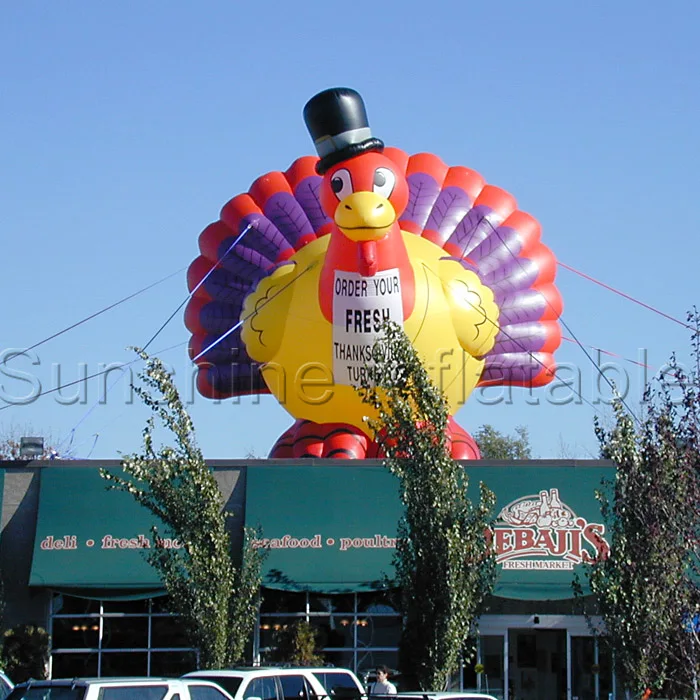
[443, 562]
[494, 444]
[25, 653]
[216, 600]
[297, 644]
[647, 589]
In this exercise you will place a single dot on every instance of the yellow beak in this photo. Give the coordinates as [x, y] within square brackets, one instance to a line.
[365, 216]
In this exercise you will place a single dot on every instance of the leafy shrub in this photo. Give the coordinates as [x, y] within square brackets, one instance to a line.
[25, 653]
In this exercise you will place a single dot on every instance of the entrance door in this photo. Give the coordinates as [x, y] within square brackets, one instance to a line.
[537, 664]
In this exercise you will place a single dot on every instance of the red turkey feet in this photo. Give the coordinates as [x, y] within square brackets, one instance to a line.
[341, 441]
[328, 440]
[460, 443]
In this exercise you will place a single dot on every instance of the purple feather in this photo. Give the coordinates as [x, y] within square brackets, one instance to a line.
[522, 307]
[451, 206]
[525, 337]
[307, 194]
[263, 236]
[235, 379]
[289, 217]
[217, 317]
[498, 249]
[474, 228]
[513, 368]
[225, 286]
[423, 190]
[245, 262]
[230, 349]
[516, 275]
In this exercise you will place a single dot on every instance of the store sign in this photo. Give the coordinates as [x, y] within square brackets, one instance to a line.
[333, 529]
[542, 532]
[328, 528]
[90, 536]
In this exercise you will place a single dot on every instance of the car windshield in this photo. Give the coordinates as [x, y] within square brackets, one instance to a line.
[133, 692]
[47, 692]
[338, 685]
[229, 683]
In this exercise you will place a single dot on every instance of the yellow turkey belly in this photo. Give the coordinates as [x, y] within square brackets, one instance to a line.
[301, 374]
[431, 329]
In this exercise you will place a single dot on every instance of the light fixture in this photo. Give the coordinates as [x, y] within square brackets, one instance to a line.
[31, 447]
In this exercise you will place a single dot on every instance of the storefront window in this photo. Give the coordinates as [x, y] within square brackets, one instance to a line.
[116, 638]
[70, 605]
[76, 632]
[330, 604]
[340, 659]
[282, 601]
[172, 663]
[127, 607]
[490, 681]
[378, 602]
[375, 631]
[127, 632]
[75, 665]
[167, 631]
[591, 668]
[124, 663]
[333, 632]
[353, 630]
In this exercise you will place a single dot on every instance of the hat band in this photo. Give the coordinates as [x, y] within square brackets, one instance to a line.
[329, 144]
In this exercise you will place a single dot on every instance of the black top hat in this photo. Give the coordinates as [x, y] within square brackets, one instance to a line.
[337, 122]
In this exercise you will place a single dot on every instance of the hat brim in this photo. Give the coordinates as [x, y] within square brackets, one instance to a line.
[350, 151]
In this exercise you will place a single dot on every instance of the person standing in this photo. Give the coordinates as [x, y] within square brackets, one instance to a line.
[382, 686]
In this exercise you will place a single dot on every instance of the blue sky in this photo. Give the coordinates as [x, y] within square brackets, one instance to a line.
[125, 127]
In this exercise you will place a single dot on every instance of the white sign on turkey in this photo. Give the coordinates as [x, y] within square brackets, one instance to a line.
[361, 306]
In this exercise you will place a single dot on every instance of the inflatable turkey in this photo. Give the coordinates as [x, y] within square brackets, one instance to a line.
[308, 264]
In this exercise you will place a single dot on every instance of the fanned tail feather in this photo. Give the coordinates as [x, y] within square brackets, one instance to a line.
[280, 213]
[481, 225]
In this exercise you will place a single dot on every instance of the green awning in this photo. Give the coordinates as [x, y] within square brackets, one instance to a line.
[90, 537]
[329, 528]
[332, 528]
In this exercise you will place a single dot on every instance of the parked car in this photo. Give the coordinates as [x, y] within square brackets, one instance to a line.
[439, 695]
[118, 689]
[338, 682]
[274, 683]
[6, 686]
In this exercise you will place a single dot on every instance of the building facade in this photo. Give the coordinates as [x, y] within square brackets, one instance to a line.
[72, 557]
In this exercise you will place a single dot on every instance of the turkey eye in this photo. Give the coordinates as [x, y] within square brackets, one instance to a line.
[384, 181]
[341, 184]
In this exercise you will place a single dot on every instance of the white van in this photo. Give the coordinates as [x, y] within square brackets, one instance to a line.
[273, 683]
[118, 689]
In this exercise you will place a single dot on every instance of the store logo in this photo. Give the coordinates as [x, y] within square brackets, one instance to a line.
[541, 532]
